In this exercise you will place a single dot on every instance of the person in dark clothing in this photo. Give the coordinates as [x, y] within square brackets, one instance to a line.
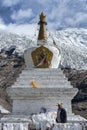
[61, 114]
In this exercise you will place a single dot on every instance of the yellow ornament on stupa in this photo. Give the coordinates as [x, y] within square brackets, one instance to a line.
[42, 31]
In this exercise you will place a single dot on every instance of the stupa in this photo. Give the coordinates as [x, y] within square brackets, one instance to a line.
[41, 84]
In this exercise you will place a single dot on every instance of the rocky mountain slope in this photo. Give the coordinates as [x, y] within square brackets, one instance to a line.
[78, 79]
[10, 67]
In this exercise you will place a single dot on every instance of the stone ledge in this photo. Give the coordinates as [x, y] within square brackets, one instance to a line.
[22, 93]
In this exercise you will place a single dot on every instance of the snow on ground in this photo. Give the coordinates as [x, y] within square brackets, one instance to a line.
[3, 110]
[71, 42]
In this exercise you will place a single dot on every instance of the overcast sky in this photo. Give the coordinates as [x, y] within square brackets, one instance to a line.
[18, 14]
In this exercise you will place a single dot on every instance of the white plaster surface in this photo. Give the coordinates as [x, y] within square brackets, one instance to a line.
[34, 105]
[55, 60]
[44, 78]
[53, 87]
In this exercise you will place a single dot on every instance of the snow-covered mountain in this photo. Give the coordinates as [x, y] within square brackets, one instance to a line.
[8, 39]
[73, 46]
[71, 42]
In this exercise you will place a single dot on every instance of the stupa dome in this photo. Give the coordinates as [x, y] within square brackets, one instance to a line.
[44, 55]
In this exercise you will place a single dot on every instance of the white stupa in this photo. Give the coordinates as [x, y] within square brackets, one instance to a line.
[41, 83]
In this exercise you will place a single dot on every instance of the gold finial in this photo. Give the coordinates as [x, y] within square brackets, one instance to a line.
[42, 17]
[42, 31]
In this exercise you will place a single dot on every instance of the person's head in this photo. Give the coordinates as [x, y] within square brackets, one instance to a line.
[59, 105]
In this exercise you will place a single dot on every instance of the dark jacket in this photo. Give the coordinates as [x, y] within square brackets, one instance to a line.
[63, 116]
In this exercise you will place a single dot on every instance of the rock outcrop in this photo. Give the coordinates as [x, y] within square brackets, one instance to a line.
[10, 67]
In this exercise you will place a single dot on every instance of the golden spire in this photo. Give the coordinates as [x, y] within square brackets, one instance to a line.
[42, 31]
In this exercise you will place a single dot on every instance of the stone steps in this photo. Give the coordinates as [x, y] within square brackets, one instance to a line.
[43, 69]
[46, 81]
[38, 73]
[40, 76]
[40, 85]
[42, 72]
[25, 92]
[43, 78]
